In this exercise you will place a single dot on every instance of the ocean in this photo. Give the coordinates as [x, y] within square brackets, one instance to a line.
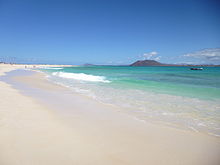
[175, 96]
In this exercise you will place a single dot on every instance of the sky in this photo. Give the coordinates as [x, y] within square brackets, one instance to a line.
[111, 32]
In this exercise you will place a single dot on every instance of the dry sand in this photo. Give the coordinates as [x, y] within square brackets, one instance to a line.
[32, 133]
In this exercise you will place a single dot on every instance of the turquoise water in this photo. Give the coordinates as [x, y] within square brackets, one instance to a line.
[175, 95]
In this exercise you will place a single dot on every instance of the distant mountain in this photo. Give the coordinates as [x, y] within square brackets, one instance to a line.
[147, 63]
[156, 63]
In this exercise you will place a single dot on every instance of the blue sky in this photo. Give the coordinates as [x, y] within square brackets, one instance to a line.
[109, 31]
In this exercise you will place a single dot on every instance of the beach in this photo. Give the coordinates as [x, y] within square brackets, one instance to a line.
[47, 124]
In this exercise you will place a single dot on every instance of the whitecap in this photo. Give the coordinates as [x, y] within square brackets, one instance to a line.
[81, 76]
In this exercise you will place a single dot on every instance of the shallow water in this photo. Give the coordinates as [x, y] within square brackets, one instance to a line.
[175, 95]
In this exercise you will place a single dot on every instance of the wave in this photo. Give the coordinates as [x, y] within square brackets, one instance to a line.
[81, 76]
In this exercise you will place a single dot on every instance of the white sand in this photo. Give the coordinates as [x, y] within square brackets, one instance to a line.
[33, 134]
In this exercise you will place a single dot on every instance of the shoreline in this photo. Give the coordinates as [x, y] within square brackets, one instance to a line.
[38, 79]
[89, 133]
[173, 104]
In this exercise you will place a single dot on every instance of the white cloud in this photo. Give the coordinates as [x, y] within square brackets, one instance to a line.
[209, 55]
[157, 58]
[149, 56]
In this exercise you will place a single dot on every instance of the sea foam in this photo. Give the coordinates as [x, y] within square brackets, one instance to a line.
[81, 76]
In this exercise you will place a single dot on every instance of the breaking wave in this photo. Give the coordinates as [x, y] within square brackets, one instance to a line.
[81, 76]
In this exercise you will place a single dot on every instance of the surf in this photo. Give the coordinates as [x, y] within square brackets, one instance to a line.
[81, 77]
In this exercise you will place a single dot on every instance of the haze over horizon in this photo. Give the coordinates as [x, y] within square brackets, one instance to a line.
[110, 32]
